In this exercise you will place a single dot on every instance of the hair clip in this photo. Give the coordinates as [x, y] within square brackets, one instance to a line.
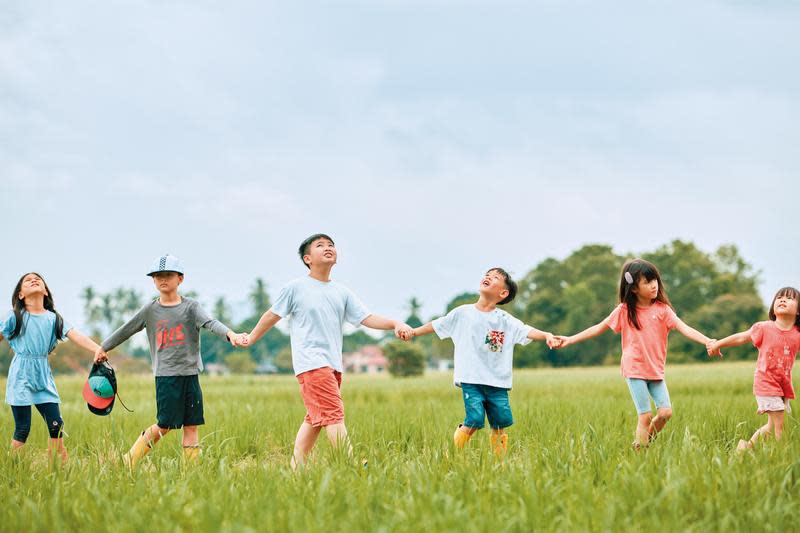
[629, 278]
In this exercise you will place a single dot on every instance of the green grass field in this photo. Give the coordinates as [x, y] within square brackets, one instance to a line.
[570, 464]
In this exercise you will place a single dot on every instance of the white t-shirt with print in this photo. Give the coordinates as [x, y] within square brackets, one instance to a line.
[317, 311]
[484, 344]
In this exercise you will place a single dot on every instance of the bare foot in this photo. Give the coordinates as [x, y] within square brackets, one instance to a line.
[743, 445]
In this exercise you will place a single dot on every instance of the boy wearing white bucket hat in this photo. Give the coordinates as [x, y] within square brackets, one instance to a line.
[173, 327]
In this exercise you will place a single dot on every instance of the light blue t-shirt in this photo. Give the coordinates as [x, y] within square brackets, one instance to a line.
[484, 342]
[30, 379]
[317, 311]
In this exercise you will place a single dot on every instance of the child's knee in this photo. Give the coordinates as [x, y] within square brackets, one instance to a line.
[55, 427]
[156, 431]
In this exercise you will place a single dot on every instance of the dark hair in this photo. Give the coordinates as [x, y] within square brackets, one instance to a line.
[511, 285]
[792, 293]
[303, 250]
[18, 306]
[638, 268]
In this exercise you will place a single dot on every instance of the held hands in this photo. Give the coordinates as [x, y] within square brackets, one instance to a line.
[552, 341]
[100, 355]
[559, 341]
[238, 339]
[713, 348]
[403, 331]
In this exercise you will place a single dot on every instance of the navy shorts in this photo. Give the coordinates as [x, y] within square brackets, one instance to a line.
[180, 401]
[485, 401]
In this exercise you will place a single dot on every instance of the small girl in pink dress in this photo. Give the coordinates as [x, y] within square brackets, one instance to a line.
[777, 340]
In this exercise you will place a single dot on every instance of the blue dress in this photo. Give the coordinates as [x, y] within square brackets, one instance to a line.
[30, 379]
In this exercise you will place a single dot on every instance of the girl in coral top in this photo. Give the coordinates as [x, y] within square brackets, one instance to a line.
[644, 317]
[777, 340]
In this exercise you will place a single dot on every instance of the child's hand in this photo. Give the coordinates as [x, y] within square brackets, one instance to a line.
[100, 355]
[712, 347]
[552, 341]
[245, 339]
[562, 342]
[402, 331]
[235, 339]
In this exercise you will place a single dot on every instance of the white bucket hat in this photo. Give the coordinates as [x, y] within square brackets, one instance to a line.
[166, 263]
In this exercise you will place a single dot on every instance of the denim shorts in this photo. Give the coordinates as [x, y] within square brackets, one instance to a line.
[643, 389]
[485, 401]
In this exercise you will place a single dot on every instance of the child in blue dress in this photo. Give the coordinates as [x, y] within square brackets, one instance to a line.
[33, 328]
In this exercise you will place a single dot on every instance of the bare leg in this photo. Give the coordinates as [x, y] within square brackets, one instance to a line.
[56, 446]
[154, 433]
[660, 420]
[304, 443]
[16, 446]
[777, 423]
[642, 435]
[774, 423]
[191, 446]
[190, 436]
[337, 435]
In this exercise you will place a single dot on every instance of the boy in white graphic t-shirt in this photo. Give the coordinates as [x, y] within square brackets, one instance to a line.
[484, 338]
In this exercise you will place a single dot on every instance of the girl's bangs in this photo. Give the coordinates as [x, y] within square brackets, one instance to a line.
[788, 292]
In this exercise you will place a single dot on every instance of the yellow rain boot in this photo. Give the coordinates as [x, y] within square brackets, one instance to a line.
[499, 443]
[461, 437]
[139, 449]
[191, 453]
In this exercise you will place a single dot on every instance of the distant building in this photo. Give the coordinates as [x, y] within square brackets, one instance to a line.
[367, 360]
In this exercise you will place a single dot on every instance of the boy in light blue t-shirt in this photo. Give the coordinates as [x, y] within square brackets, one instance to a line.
[317, 308]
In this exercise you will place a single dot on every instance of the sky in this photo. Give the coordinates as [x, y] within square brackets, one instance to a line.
[432, 140]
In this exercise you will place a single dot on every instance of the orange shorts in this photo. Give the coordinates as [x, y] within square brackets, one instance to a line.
[320, 389]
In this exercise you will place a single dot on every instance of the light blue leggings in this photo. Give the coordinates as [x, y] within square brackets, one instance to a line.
[643, 389]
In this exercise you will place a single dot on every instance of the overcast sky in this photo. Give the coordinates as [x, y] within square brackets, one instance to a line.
[431, 139]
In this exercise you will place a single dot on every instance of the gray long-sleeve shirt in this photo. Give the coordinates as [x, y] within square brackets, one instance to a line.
[173, 333]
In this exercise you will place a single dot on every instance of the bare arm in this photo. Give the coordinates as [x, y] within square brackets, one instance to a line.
[737, 339]
[87, 344]
[539, 335]
[586, 334]
[265, 323]
[691, 333]
[378, 322]
[401, 329]
[427, 329]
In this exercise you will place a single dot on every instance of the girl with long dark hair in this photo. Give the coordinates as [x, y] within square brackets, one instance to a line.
[645, 317]
[33, 328]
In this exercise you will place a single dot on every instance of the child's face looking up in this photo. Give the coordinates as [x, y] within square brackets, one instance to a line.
[31, 284]
[167, 281]
[493, 286]
[320, 252]
[785, 305]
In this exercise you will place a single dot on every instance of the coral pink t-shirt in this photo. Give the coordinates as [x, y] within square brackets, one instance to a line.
[644, 351]
[776, 353]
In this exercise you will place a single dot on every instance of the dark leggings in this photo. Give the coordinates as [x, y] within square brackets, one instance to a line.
[22, 420]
